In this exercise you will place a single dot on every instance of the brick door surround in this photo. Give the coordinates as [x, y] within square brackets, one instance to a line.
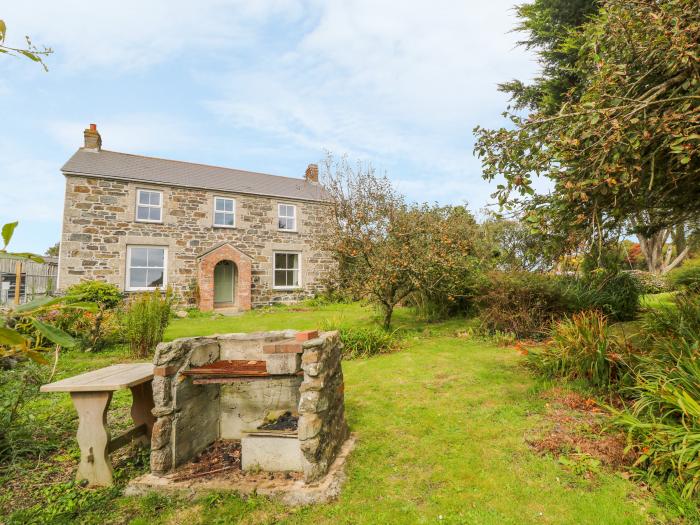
[205, 276]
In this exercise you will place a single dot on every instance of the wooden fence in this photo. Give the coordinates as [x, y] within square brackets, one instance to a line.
[35, 279]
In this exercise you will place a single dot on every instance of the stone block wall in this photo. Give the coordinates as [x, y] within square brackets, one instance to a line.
[322, 426]
[187, 415]
[190, 416]
[99, 223]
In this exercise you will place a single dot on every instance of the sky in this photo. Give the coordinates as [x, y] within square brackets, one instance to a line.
[262, 85]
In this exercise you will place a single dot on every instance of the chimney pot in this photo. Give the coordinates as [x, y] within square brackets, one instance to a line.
[93, 140]
[312, 173]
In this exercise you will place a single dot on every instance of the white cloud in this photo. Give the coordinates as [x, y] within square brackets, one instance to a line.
[131, 133]
[394, 82]
[132, 34]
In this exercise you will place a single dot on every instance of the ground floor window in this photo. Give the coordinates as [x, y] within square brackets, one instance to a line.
[286, 270]
[146, 267]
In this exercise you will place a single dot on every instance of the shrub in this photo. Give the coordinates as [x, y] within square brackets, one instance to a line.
[582, 347]
[687, 276]
[663, 423]
[680, 320]
[359, 342]
[103, 294]
[524, 304]
[615, 294]
[145, 320]
[92, 330]
[650, 283]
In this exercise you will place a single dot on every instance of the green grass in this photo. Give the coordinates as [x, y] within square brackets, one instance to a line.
[651, 301]
[441, 429]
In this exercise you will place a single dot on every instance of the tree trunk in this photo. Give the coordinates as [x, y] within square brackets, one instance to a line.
[671, 265]
[388, 312]
[653, 250]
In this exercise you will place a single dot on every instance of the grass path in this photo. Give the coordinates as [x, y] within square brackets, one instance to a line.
[441, 429]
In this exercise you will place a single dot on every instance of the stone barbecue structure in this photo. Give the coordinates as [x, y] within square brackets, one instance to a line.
[225, 387]
[220, 237]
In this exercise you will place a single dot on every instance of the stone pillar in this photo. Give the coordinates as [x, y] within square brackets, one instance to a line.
[322, 426]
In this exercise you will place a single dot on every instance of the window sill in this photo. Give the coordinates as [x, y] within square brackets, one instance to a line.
[148, 222]
[288, 289]
[130, 290]
[223, 226]
[287, 231]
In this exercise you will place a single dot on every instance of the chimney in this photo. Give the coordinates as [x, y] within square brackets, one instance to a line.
[312, 173]
[93, 141]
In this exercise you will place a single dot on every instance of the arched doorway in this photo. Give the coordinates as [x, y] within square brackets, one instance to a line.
[225, 278]
[242, 281]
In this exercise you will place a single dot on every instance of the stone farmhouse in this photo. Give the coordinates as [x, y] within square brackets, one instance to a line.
[225, 238]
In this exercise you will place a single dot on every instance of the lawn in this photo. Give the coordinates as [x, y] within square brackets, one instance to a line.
[657, 300]
[441, 426]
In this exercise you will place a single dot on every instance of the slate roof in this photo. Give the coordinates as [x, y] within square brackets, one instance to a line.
[124, 166]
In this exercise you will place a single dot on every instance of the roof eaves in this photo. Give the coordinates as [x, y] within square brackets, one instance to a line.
[160, 183]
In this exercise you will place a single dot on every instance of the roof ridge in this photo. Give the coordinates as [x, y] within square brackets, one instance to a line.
[200, 164]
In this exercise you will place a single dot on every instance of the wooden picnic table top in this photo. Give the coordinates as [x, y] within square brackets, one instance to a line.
[110, 378]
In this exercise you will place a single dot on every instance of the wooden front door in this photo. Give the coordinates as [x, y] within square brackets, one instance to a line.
[224, 282]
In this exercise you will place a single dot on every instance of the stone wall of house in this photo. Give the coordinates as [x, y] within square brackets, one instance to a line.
[322, 426]
[99, 224]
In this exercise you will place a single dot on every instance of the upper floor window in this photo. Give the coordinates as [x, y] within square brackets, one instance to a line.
[149, 206]
[146, 267]
[224, 212]
[287, 217]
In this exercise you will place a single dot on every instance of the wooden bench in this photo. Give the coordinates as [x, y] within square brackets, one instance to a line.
[91, 394]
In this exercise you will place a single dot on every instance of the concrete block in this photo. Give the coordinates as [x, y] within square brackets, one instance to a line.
[280, 364]
[271, 453]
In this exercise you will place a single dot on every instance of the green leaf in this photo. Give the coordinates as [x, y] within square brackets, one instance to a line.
[3, 30]
[27, 255]
[36, 357]
[7, 231]
[30, 55]
[38, 303]
[54, 334]
[10, 337]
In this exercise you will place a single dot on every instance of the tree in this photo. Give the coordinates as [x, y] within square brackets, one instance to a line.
[515, 248]
[30, 51]
[623, 150]
[387, 249]
[548, 25]
[52, 251]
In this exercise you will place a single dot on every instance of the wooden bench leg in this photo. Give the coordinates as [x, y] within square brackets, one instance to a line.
[141, 406]
[93, 437]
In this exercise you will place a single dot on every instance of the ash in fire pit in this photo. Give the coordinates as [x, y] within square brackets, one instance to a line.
[284, 421]
[220, 456]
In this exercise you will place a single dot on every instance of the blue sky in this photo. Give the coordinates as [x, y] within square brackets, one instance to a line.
[263, 85]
